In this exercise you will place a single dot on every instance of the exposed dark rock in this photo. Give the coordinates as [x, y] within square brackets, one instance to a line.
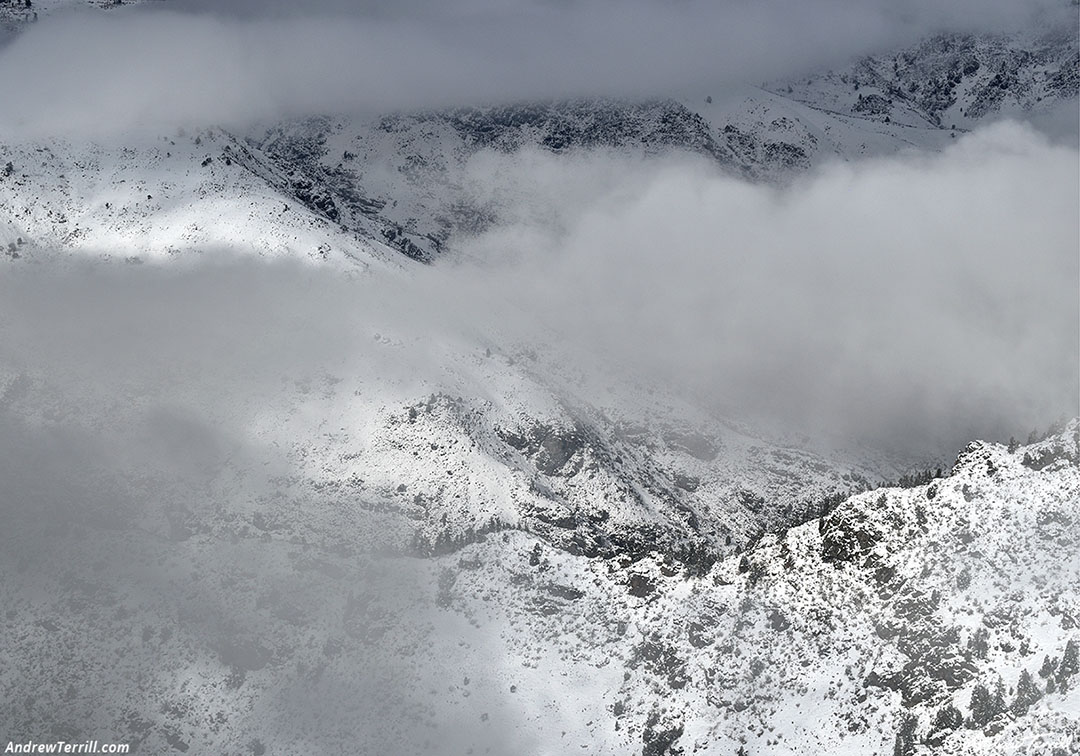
[641, 585]
[848, 534]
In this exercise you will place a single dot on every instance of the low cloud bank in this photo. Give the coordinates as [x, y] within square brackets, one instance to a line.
[916, 301]
[158, 410]
[231, 63]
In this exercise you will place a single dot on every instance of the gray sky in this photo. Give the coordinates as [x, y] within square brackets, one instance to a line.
[228, 62]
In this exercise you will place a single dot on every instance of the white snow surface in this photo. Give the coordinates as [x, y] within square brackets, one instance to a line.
[235, 625]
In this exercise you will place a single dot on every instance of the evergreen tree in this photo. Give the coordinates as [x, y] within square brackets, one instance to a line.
[998, 704]
[1027, 693]
[1048, 666]
[986, 705]
[1069, 665]
[948, 718]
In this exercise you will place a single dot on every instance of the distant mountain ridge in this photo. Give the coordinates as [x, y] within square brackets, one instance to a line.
[918, 98]
[400, 180]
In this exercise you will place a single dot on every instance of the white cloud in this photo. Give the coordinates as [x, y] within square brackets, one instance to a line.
[915, 300]
[228, 63]
[919, 300]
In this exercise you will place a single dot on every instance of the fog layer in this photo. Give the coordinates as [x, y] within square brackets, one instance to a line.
[155, 423]
[229, 63]
[915, 301]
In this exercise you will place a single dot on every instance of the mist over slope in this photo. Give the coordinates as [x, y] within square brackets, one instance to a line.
[914, 301]
[363, 391]
[888, 295]
[940, 617]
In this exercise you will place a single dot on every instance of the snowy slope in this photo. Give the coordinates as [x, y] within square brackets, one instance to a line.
[266, 634]
[410, 171]
[952, 80]
[916, 98]
[146, 198]
[15, 15]
[481, 431]
[407, 180]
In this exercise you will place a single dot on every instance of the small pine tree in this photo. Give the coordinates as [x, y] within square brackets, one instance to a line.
[1027, 693]
[1048, 667]
[998, 702]
[948, 718]
[1013, 444]
[1069, 666]
[986, 705]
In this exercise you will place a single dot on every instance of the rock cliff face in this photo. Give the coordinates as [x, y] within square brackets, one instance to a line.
[405, 176]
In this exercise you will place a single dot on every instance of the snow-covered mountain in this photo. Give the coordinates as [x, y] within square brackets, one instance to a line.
[403, 179]
[942, 617]
[408, 168]
[916, 98]
[438, 538]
